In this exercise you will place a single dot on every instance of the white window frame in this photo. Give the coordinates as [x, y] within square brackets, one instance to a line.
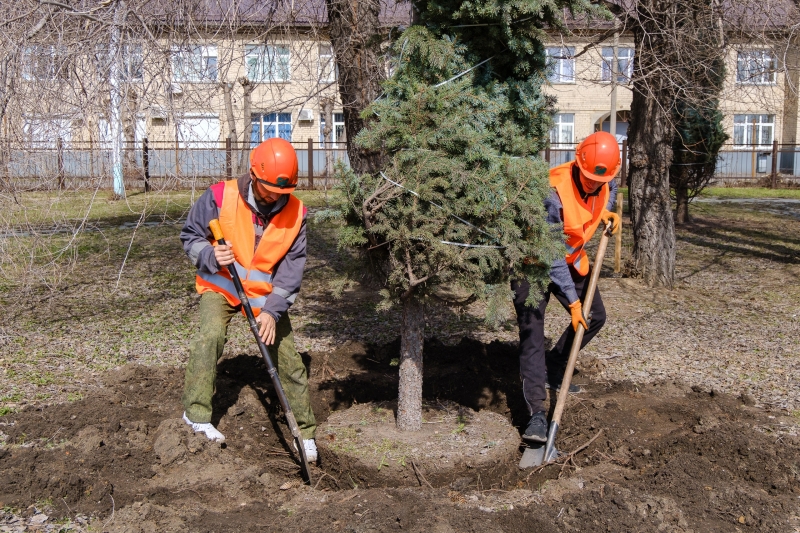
[43, 132]
[201, 64]
[132, 62]
[283, 118]
[327, 71]
[268, 63]
[624, 64]
[743, 130]
[184, 124]
[50, 57]
[560, 64]
[338, 133]
[563, 128]
[756, 67]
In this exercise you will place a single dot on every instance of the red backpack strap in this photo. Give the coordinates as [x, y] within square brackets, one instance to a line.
[218, 189]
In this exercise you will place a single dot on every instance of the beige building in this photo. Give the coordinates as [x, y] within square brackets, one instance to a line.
[190, 96]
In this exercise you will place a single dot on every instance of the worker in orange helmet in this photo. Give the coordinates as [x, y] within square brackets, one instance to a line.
[583, 197]
[265, 230]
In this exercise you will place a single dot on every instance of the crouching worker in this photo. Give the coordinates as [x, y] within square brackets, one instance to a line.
[583, 196]
[265, 231]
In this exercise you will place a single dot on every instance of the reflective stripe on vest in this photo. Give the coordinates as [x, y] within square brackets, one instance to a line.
[254, 265]
[228, 289]
[580, 218]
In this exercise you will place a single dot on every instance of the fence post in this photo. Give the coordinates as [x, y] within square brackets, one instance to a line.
[60, 162]
[228, 156]
[146, 163]
[547, 153]
[774, 178]
[623, 178]
[310, 163]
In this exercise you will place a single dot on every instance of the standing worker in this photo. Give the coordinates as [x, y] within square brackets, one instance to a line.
[583, 196]
[265, 231]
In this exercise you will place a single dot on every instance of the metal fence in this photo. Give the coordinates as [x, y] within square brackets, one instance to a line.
[768, 164]
[170, 165]
[150, 165]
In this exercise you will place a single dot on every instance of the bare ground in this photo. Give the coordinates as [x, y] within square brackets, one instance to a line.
[695, 391]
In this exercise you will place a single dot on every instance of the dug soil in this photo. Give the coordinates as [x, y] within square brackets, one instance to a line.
[660, 457]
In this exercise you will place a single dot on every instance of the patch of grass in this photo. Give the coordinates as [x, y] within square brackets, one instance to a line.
[749, 192]
[43, 503]
[40, 379]
[74, 397]
[460, 428]
[46, 208]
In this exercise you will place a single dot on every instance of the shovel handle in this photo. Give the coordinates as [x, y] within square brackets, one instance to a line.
[576, 345]
[216, 230]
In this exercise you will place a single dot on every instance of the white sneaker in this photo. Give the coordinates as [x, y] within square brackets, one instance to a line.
[208, 430]
[310, 446]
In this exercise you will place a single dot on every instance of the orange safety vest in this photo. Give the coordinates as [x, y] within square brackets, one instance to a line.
[581, 218]
[254, 265]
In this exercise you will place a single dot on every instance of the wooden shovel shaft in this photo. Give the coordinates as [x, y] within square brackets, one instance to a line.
[576, 344]
[271, 369]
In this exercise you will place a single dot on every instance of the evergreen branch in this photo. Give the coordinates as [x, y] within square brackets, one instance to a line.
[467, 71]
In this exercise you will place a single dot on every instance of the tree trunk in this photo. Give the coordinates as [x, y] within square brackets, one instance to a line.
[244, 146]
[682, 205]
[409, 402]
[227, 89]
[650, 145]
[355, 37]
[327, 137]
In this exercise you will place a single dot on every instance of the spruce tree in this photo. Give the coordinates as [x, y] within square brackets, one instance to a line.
[460, 200]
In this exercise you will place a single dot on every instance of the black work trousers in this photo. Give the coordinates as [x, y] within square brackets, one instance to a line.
[532, 364]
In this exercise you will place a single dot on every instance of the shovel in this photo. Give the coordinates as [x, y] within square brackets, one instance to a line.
[216, 230]
[545, 453]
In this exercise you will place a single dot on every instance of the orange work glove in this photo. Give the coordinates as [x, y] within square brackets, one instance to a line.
[607, 215]
[577, 315]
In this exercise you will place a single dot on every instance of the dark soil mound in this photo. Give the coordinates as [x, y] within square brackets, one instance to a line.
[666, 459]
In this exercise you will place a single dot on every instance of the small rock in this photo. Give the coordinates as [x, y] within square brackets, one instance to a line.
[40, 518]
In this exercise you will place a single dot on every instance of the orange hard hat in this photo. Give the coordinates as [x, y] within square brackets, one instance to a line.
[598, 157]
[274, 164]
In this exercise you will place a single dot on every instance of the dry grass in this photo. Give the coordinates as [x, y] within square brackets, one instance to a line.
[731, 323]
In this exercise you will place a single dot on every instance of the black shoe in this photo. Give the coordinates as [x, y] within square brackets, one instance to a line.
[555, 385]
[537, 428]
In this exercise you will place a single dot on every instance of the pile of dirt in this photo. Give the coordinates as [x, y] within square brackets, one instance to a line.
[363, 444]
[667, 458]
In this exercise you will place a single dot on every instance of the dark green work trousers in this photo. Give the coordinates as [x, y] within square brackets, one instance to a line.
[206, 349]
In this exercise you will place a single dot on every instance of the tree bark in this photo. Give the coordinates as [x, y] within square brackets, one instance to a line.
[682, 205]
[355, 37]
[244, 146]
[227, 89]
[650, 144]
[409, 402]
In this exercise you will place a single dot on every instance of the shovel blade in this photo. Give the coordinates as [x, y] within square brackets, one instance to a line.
[532, 456]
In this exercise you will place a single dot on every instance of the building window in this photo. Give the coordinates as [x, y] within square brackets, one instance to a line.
[563, 130]
[266, 63]
[44, 132]
[624, 64]
[327, 67]
[194, 64]
[199, 131]
[749, 130]
[561, 64]
[132, 62]
[271, 125]
[757, 67]
[44, 63]
[337, 133]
